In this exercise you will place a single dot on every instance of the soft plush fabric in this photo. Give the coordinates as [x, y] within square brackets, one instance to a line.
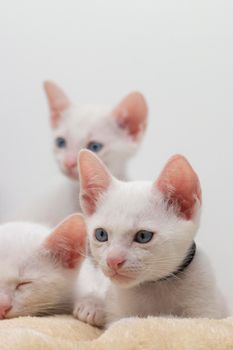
[66, 333]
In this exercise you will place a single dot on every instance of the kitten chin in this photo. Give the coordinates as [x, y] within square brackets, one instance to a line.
[124, 281]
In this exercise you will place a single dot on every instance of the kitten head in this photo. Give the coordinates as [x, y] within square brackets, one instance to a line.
[39, 268]
[139, 231]
[113, 133]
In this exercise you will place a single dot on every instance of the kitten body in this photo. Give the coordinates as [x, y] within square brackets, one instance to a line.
[90, 292]
[115, 133]
[192, 294]
[38, 268]
[168, 212]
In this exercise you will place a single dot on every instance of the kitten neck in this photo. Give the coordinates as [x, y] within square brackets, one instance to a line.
[182, 267]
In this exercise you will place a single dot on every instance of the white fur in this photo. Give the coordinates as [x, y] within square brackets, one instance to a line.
[91, 290]
[23, 258]
[54, 288]
[123, 210]
[79, 125]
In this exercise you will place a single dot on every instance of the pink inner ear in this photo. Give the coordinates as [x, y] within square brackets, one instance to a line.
[94, 180]
[58, 101]
[131, 114]
[68, 241]
[180, 185]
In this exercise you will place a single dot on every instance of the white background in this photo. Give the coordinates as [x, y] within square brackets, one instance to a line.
[178, 53]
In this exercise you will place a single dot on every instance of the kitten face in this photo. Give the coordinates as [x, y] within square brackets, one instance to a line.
[146, 228]
[113, 133]
[38, 269]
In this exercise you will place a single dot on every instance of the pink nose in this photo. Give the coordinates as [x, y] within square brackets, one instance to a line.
[115, 262]
[70, 164]
[4, 309]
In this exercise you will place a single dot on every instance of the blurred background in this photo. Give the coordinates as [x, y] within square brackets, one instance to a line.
[178, 53]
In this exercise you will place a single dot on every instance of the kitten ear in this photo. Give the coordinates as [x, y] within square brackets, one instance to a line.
[131, 114]
[57, 100]
[94, 180]
[67, 243]
[180, 185]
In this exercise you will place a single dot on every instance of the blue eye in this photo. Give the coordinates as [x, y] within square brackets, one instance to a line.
[101, 235]
[95, 146]
[143, 236]
[60, 142]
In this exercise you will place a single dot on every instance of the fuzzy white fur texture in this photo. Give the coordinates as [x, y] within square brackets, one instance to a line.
[78, 125]
[23, 259]
[90, 294]
[34, 282]
[124, 208]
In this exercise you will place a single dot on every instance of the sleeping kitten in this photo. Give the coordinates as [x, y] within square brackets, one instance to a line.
[114, 133]
[142, 237]
[39, 268]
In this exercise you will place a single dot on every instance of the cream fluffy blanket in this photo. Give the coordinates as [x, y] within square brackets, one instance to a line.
[66, 333]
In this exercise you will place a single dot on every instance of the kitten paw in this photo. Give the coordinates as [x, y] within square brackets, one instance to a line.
[90, 310]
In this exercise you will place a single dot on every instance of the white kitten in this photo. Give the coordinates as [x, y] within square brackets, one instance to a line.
[141, 236]
[38, 269]
[114, 133]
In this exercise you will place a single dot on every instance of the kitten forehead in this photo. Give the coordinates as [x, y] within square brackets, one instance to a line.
[84, 124]
[79, 116]
[19, 240]
[129, 206]
[81, 124]
[9, 273]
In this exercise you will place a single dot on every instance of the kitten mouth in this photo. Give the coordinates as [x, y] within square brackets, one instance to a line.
[119, 277]
[72, 174]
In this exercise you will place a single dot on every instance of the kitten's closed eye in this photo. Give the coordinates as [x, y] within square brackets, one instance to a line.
[60, 142]
[95, 146]
[21, 284]
[143, 236]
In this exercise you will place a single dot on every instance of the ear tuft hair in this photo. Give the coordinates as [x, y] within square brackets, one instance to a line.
[67, 243]
[94, 180]
[131, 114]
[180, 186]
[57, 100]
